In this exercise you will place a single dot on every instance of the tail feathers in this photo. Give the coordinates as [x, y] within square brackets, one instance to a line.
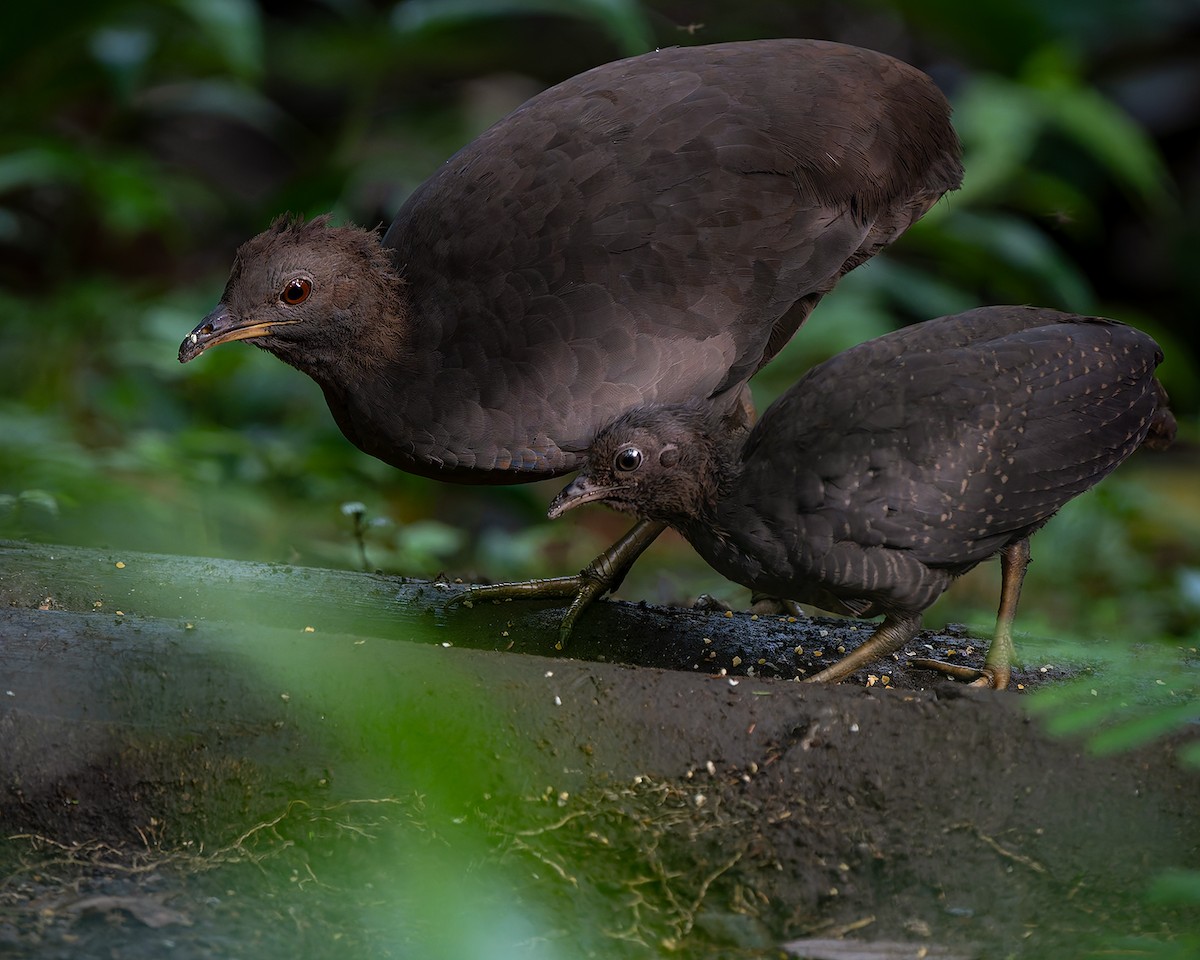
[1162, 427]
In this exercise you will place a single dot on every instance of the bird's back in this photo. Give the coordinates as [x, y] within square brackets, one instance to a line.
[650, 231]
[904, 461]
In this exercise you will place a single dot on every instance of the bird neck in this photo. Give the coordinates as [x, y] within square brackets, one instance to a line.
[360, 343]
[700, 505]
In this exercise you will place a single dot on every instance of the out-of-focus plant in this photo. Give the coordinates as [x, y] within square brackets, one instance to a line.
[624, 20]
[136, 151]
[1130, 695]
[140, 143]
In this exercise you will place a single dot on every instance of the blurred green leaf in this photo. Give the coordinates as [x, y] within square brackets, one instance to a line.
[124, 51]
[622, 19]
[1021, 247]
[426, 543]
[1133, 733]
[1097, 125]
[917, 292]
[1177, 887]
[36, 165]
[421, 762]
[132, 196]
[520, 553]
[218, 97]
[1130, 698]
[233, 28]
[1068, 722]
[999, 129]
[41, 499]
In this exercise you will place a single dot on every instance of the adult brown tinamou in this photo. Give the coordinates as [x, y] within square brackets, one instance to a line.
[651, 231]
[897, 466]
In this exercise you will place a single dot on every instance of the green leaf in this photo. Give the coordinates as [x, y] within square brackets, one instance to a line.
[39, 165]
[130, 194]
[1023, 247]
[1081, 718]
[41, 499]
[922, 293]
[622, 19]
[1135, 732]
[998, 123]
[1176, 888]
[1098, 125]
[234, 28]
[428, 541]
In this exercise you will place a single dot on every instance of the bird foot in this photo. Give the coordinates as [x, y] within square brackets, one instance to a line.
[760, 605]
[550, 588]
[711, 604]
[776, 607]
[603, 574]
[985, 677]
[895, 631]
[584, 588]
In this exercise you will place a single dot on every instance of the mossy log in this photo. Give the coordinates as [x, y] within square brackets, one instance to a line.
[186, 700]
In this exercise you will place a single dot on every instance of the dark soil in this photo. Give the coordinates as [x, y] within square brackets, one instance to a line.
[566, 808]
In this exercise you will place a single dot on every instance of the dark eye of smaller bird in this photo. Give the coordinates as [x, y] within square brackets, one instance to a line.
[628, 459]
[296, 291]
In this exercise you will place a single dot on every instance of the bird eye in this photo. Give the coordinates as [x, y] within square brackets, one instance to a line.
[628, 459]
[296, 291]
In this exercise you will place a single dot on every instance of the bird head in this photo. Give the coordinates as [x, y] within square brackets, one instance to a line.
[306, 292]
[656, 462]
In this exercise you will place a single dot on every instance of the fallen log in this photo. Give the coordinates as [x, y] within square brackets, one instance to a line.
[182, 721]
[288, 597]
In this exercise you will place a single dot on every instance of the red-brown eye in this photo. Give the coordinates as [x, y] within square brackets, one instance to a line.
[296, 291]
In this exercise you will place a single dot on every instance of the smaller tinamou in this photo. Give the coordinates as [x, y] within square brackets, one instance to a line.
[896, 466]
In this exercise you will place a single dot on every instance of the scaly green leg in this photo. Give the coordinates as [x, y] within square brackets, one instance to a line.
[895, 631]
[997, 667]
[603, 574]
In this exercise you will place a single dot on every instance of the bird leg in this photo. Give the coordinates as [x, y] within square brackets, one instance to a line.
[997, 666]
[602, 575]
[895, 631]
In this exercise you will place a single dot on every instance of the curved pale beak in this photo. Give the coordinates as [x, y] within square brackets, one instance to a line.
[221, 326]
[579, 491]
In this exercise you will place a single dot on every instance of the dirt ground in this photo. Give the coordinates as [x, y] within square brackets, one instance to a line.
[608, 810]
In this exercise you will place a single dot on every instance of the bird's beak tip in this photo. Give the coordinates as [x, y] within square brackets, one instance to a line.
[559, 505]
[221, 326]
[213, 329]
[190, 348]
[579, 491]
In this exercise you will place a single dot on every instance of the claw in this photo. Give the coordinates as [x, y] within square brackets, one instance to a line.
[603, 574]
[895, 631]
[997, 666]
[987, 677]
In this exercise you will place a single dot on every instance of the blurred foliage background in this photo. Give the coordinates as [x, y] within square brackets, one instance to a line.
[141, 142]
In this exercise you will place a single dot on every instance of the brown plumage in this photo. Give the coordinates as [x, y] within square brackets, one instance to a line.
[897, 466]
[651, 231]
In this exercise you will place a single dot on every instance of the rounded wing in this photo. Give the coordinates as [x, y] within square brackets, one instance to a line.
[650, 231]
[913, 457]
